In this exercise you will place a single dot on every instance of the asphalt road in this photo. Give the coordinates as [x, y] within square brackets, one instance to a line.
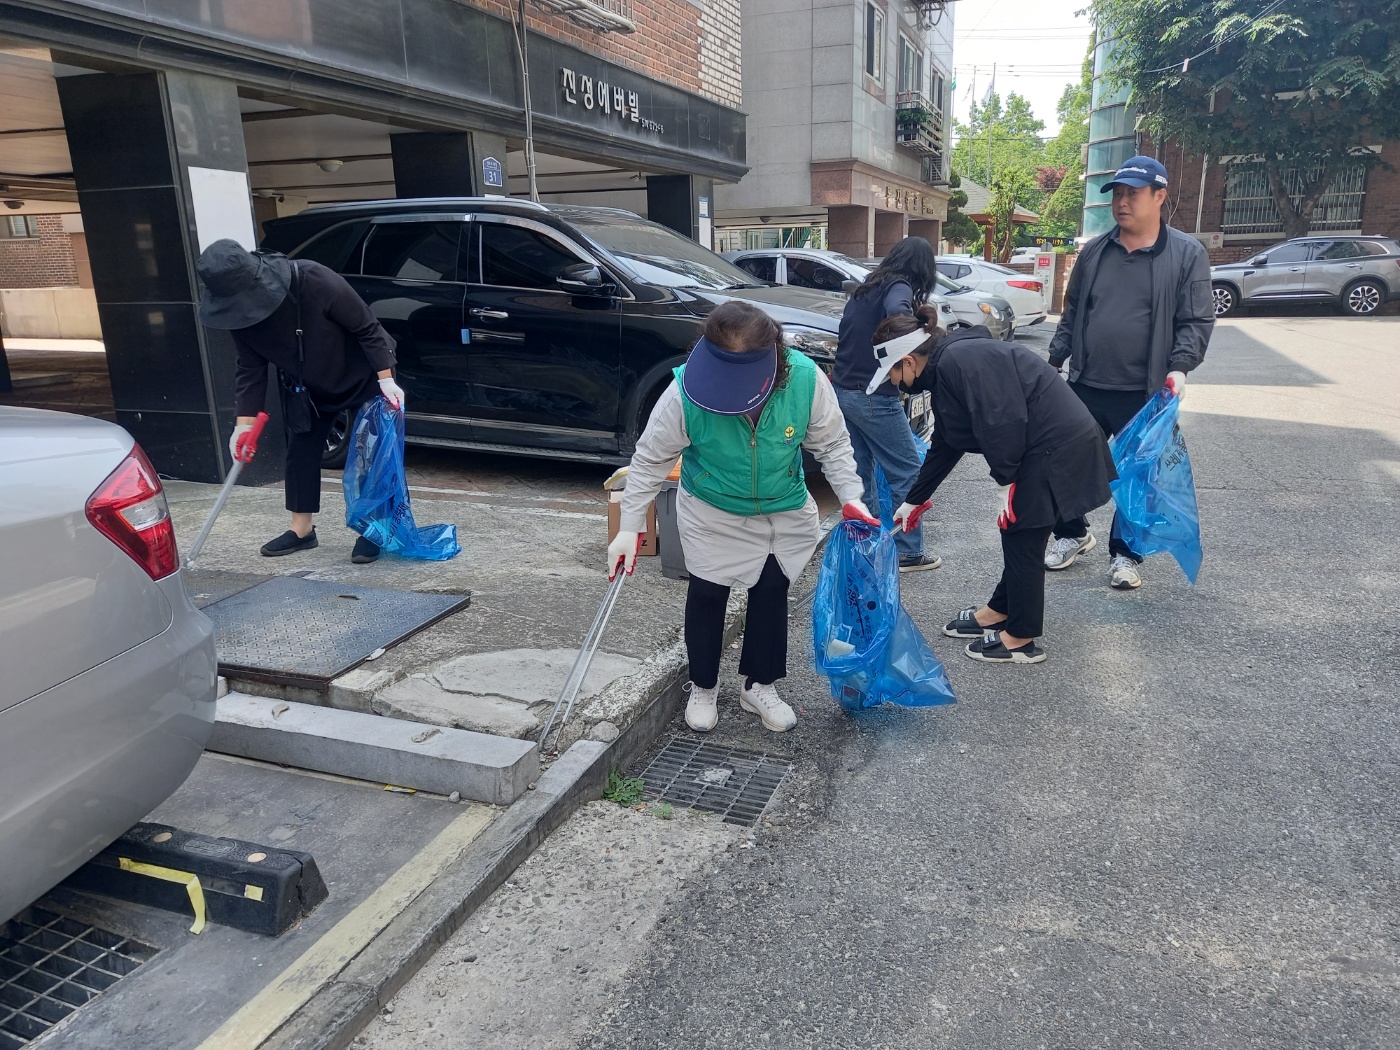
[1179, 831]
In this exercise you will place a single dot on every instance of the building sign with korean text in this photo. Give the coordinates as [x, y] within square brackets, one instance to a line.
[899, 198]
[597, 95]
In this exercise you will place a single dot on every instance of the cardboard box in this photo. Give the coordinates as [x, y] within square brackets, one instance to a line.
[649, 545]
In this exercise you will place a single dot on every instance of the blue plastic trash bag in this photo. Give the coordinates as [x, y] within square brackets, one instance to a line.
[376, 490]
[865, 643]
[1155, 491]
[886, 499]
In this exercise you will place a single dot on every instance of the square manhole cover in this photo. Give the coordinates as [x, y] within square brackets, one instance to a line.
[735, 785]
[51, 965]
[293, 631]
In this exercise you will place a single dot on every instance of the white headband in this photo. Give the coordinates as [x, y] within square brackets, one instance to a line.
[890, 353]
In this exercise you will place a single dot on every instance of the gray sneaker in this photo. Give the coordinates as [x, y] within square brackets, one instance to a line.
[1063, 551]
[1123, 574]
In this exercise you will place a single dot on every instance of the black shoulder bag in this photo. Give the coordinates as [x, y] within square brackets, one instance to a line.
[298, 412]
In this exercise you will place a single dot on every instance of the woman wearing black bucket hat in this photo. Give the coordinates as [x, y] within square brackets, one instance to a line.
[742, 409]
[331, 354]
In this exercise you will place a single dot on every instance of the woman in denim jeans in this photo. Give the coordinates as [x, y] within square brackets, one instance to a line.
[878, 425]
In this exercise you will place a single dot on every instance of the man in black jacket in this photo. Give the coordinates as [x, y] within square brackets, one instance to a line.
[307, 321]
[1137, 316]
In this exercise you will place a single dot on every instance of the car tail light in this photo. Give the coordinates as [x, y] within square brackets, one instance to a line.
[129, 508]
[1030, 286]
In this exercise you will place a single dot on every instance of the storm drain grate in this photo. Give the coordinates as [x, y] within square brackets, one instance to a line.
[51, 965]
[735, 785]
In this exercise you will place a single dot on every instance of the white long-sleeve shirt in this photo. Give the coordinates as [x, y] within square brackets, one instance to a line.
[731, 549]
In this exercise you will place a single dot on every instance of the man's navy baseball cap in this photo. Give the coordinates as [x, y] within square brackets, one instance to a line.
[729, 382]
[1139, 171]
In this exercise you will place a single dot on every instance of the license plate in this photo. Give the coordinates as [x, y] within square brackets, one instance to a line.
[918, 406]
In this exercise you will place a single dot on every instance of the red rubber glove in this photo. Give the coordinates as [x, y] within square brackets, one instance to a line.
[1007, 517]
[858, 511]
[906, 518]
[244, 443]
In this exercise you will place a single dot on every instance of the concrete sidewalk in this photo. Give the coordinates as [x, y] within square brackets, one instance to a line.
[532, 560]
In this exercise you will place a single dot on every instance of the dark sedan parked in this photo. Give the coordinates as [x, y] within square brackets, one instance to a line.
[538, 329]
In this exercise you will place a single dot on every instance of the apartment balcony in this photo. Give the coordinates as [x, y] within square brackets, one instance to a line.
[920, 129]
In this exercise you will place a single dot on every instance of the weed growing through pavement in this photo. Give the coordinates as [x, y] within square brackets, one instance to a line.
[625, 791]
[664, 811]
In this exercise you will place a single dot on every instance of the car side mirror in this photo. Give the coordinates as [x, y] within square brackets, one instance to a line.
[849, 286]
[1259, 260]
[583, 279]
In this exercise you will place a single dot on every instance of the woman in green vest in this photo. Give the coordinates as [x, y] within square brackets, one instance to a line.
[739, 414]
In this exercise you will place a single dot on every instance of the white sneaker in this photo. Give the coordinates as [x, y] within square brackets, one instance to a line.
[1062, 551]
[764, 701]
[702, 709]
[1123, 574]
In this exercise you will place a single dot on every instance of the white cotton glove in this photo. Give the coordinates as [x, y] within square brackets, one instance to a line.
[856, 510]
[1176, 383]
[233, 443]
[1006, 516]
[623, 551]
[393, 393]
[906, 518]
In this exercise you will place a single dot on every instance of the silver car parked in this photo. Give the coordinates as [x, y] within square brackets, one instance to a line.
[1357, 273]
[960, 305]
[108, 687]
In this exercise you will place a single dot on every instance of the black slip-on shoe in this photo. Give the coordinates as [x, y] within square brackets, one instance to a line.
[965, 626]
[990, 650]
[365, 551]
[919, 562]
[289, 543]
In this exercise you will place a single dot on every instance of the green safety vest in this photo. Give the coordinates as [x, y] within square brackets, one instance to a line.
[743, 469]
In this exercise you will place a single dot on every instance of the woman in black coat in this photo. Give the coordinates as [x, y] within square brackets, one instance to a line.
[1040, 442]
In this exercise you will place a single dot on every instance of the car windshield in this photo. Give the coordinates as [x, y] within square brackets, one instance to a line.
[850, 262]
[998, 268]
[951, 287]
[656, 255]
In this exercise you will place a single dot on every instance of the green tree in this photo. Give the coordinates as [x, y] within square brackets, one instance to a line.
[959, 229]
[1305, 85]
[998, 138]
[1063, 210]
[1012, 189]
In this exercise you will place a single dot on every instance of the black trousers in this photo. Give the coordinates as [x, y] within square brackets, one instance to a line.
[1020, 594]
[764, 656]
[1112, 411]
[304, 451]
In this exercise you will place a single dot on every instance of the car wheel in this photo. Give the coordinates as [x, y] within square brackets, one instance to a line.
[1224, 298]
[337, 441]
[1363, 298]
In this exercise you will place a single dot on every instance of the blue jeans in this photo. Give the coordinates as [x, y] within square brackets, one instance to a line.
[880, 434]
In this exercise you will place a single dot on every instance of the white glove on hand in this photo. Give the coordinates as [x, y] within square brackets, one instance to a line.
[1006, 514]
[906, 518]
[623, 549]
[856, 510]
[393, 393]
[238, 431]
[1176, 383]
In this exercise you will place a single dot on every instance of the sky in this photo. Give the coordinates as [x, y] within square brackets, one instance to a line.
[1037, 45]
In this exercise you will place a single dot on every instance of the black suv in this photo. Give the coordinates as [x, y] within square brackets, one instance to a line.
[537, 329]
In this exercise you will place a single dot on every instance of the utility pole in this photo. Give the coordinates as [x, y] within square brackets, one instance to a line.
[989, 122]
[522, 45]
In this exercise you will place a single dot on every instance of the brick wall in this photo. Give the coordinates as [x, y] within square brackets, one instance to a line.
[693, 45]
[45, 261]
[1380, 214]
[1063, 265]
